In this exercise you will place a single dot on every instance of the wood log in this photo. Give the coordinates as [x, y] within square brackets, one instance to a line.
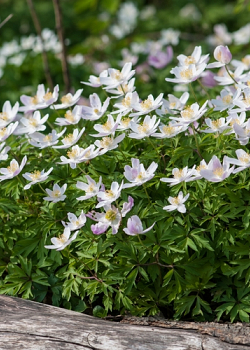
[30, 325]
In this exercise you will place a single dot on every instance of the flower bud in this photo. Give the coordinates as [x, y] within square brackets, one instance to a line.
[222, 54]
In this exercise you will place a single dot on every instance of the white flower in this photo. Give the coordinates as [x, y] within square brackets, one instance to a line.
[95, 81]
[147, 105]
[243, 101]
[116, 77]
[4, 151]
[57, 194]
[36, 176]
[109, 196]
[111, 217]
[41, 100]
[137, 175]
[225, 78]
[127, 103]
[170, 130]
[179, 175]
[68, 100]
[40, 140]
[70, 117]
[8, 113]
[6, 132]
[243, 160]
[134, 226]
[242, 132]
[186, 74]
[108, 143]
[173, 105]
[215, 171]
[191, 113]
[12, 170]
[218, 125]
[196, 58]
[122, 89]
[32, 123]
[177, 203]
[146, 129]
[169, 36]
[74, 222]
[96, 109]
[226, 100]
[78, 155]
[71, 139]
[91, 189]
[59, 243]
[107, 128]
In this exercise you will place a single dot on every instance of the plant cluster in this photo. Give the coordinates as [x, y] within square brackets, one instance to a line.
[129, 204]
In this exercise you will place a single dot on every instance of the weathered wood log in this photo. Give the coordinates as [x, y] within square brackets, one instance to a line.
[33, 326]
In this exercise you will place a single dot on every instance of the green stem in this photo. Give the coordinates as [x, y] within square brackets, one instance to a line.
[230, 75]
[196, 141]
[204, 89]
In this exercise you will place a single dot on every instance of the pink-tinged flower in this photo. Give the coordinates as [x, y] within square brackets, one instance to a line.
[107, 128]
[223, 55]
[245, 62]
[8, 114]
[137, 175]
[126, 105]
[31, 123]
[41, 141]
[196, 58]
[108, 143]
[95, 81]
[226, 100]
[226, 79]
[177, 203]
[134, 226]
[197, 172]
[191, 113]
[127, 206]
[35, 177]
[170, 130]
[57, 194]
[215, 171]
[186, 74]
[179, 175]
[110, 218]
[4, 151]
[59, 243]
[218, 125]
[96, 109]
[75, 222]
[70, 117]
[79, 155]
[109, 196]
[116, 77]
[71, 139]
[207, 79]
[68, 100]
[243, 161]
[41, 100]
[242, 132]
[12, 170]
[91, 188]
[243, 100]
[6, 132]
[234, 118]
[146, 129]
[147, 106]
[161, 59]
[173, 105]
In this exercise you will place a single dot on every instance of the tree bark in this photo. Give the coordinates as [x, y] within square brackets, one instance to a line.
[29, 325]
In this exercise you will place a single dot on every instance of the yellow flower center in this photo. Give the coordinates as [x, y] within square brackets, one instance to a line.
[33, 122]
[216, 124]
[245, 158]
[246, 60]
[47, 96]
[109, 193]
[172, 105]
[246, 100]
[69, 116]
[66, 99]
[143, 128]
[187, 74]
[190, 60]
[106, 141]
[107, 126]
[47, 138]
[90, 189]
[56, 193]
[110, 215]
[227, 99]
[175, 201]
[146, 104]
[126, 101]
[3, 132]
[140, 176]
[116, 75]
[68, 139]
[62, 238]
[4, 116]
[179, 173]
[72, 154]
[123, 88]
[200, 167]
[125, 122]
[168, 130]
[234, 121]
[34, 100]
[96, 110]
[12, 167]
[35, 175]
[187, 113]
[218, 172]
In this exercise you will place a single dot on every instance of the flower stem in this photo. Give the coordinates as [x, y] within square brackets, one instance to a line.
[196, 141]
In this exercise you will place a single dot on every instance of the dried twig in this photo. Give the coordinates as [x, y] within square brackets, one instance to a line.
[44, 54]
[60, 33]
[5, 21]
